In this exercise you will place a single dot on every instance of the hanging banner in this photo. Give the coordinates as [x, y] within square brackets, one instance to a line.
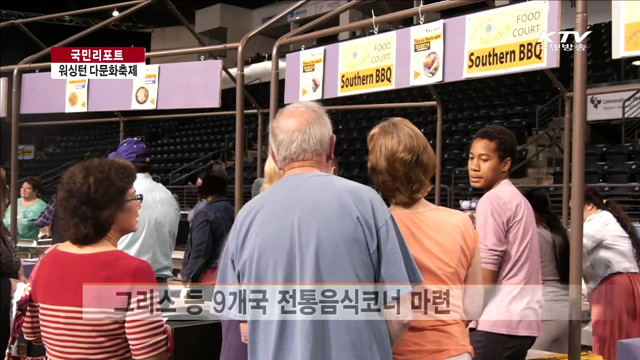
[312, 76]
[625, 28]
[145, 90]
[427, 53]
[76, 99]
[367, 65]
[505, 40]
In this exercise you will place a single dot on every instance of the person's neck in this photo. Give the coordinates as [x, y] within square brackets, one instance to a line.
[420, 205]
[308, 166]
[505, 177]
[210, 198]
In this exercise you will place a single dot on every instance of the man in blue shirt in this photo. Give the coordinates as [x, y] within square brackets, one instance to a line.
[315, 228]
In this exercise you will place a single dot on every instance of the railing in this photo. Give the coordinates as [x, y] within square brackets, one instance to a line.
[625, 195]
[552, 135]
[63, 166]
[223, 158]
[186, 196]
[550, 111]
[631, 111]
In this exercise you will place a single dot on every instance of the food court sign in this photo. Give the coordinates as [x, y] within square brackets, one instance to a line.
[505, 40]
[367, 65]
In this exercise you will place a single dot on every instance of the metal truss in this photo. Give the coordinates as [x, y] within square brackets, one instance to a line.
[6, 15]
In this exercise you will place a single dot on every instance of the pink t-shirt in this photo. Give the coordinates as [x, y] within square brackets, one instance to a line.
[509, 244]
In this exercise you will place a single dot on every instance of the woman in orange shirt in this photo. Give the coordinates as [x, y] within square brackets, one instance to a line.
[443, 242]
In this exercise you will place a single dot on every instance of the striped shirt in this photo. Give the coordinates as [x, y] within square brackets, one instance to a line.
[61, 317]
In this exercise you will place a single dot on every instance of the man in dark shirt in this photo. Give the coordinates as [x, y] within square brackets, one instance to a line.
[209, 230]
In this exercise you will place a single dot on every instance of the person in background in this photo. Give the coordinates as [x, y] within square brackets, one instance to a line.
[11, 271]
[271, 174]
[46, 222]
[201, 202]
[97, 205]
[509, 251]
[554, 263]
[208, 231]
[29, 209]
[315, 228]
[443, 242]
[155, 237]
[611, 253]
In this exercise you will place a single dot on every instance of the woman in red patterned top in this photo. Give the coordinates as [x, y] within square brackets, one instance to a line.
[97, 205]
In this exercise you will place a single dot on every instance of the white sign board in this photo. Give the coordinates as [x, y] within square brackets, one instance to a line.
[607, 106]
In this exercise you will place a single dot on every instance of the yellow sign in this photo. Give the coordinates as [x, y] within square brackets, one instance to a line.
[505, 40]
[312, 74]
[427, 53]
[76, 99]
[630, 16]
[367, 65]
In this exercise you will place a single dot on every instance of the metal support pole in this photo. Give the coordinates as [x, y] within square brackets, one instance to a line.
[275, 54]
[31, 36]
[193, 32]
[239, 163]
[260, 131]
[70, 13]
[577, 185]
[15, 108]
[15, 140]
[566, 155]
[121, 130]
[438, 144]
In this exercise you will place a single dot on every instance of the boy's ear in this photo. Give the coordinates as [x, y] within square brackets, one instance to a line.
[506, 165]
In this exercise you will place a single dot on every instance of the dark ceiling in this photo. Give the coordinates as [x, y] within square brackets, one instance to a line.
[154, 15]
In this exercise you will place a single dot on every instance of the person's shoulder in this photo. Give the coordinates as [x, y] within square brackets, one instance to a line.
[454, 215]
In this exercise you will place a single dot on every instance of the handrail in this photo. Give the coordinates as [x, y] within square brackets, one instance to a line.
[195, 161]
[540, 136]
[52, 170]
[624, 114]
[192, 172]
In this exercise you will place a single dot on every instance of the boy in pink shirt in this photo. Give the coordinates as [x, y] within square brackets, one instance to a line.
[509, 250]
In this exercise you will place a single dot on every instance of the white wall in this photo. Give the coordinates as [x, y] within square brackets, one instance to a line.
[173, 37]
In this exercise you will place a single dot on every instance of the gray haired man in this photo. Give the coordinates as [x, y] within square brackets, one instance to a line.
[315, 228]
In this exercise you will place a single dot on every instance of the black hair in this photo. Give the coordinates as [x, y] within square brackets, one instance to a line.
[142, 167]
[542, 206]
[592, 196]
[213, 184]
[36, 184]
[505, 140]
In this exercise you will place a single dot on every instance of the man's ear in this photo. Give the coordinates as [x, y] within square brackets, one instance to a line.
[332, 148]
[272, 153]
[506, 165]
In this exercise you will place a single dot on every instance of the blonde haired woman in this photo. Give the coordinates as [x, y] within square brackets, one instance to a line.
[271, 174]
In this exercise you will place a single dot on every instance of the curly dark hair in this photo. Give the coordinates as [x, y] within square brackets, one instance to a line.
[90, 196]
[505, 140]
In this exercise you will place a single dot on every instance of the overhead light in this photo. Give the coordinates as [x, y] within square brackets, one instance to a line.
[636, 63]
[115, 12]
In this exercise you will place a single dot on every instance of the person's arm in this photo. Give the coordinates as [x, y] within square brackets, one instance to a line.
[200, 248]
[31, 325]
[244, 332]
[145, 330]
[396, 267]
[593, 234]
[46, 218]
[474, 289]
